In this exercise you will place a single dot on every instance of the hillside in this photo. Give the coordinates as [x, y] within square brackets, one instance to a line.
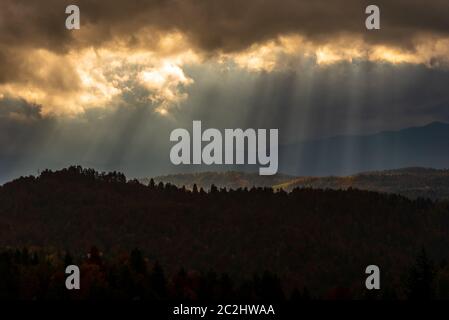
[409, 182]
[224, 179]
[314, 238]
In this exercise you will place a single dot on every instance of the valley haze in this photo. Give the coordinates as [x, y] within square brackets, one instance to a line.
[421, 146]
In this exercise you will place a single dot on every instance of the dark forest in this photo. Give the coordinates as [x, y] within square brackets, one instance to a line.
[158, 241]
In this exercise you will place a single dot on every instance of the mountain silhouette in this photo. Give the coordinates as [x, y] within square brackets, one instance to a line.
[426, 146]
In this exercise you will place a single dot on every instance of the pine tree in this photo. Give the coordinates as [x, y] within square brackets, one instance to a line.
[137, 262]
[420, 281]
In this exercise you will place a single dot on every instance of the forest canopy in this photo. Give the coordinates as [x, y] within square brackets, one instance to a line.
[319, 239]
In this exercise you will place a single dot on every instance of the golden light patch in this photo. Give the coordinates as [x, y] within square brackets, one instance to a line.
[382, 53]
[73, 82]
[265, 57]
[164, 83]
[92, 78]
[271, 55]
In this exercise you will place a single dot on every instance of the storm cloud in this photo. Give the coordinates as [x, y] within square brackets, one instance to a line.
[69, 71]
[108, 95]
[226, 25]
[346, 98]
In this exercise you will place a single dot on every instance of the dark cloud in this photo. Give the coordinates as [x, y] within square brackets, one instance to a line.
[218, 24]
[22, 131]
[313, 102]
[346, 98]
[19, 109]
[306, 101]
[129, 139]
[32, 24]
[211, 26]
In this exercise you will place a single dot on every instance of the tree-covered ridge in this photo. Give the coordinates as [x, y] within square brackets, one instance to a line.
[319, 239]
[221, 179]
[409, 182]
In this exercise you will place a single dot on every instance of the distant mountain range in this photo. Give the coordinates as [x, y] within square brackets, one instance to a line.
[409, 182]
[332, 162]
[426, 146]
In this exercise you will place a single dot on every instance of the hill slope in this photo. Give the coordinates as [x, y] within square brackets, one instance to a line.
[309, 237]
[409, 182]
[224, 179]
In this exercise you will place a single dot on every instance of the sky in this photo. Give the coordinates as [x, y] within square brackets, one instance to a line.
[108, 95]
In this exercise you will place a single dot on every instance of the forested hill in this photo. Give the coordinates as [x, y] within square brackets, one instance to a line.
[308, 237]
[409, 182]
[222, 179]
